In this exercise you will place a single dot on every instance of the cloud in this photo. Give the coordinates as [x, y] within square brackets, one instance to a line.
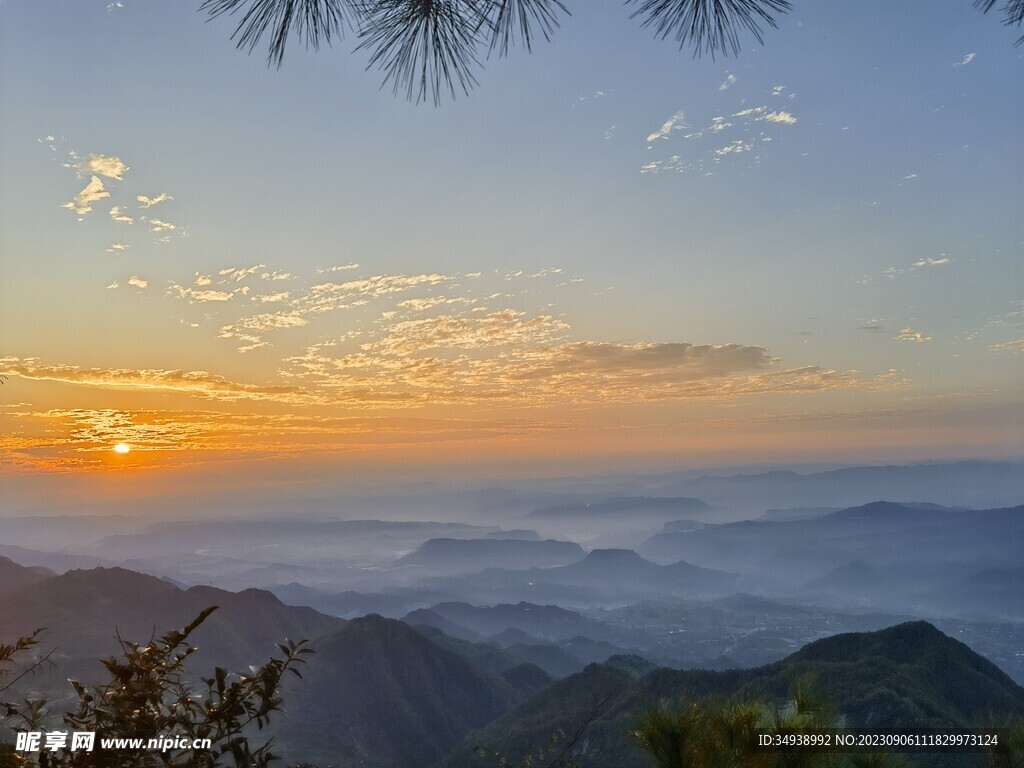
[423, 305]
[82, 437]
[203, 280]
[199, 383]
[909, 334]
[735, 147]
[156, 225]
[119, 216]
[138, 282]
[779, 117]
[240, 273]
[194, 296]
[468, 332]
[104, 165]
[931, 262]
[706, 158]
[750, 112]
[500, 361]
[965, 60]
[339, 268]
[729, 80]
[115, 247]
[149, 202]
[325, 297]
[675, 360]
[278, 275]
[248, 329]
[1017, 345]
[675, 123]
[97, 430]
[272, 298]
[93, 192]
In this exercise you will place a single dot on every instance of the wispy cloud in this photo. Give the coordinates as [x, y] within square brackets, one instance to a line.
[156, 225]
[782, 116]
[116, 247]
[467, 332]
[104, 165]
[729, 80]
[325, 297]
[1017, 345]
[149, 202]
[272, 298]
[138, 282]
[965, 60]
[240, 273]
[675, 123]
[200, 383]
[909, 334]
[546, 272]
[929, 262]
[735, 147]
[277, 275]
[755, 126]
[93, 192]
[339, 268]
[120, 216]
[198, 295]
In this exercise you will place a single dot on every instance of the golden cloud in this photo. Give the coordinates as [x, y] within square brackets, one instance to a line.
[198, 383]
[91, 193]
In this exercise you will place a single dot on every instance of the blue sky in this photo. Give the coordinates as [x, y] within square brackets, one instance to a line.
[814, 247]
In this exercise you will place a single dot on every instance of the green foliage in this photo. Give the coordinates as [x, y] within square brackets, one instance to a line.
[554, 754]
[148, 696]
[722, 733]
[1009, 753]
[428, 47]
[11, 672]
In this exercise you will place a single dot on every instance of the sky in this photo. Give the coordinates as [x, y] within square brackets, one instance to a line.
[609, 255]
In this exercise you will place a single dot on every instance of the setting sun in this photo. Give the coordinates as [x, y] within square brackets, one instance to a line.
[122, 448]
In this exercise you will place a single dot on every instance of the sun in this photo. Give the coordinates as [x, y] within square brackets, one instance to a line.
[122, 448]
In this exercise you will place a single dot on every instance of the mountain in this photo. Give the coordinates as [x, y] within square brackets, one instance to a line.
[544, 622]
[451, 556]
[516, 533]
[603, 577]
[624, 509]
[58, 562]
[379, 694]
[881, 533]
[14, 576]
[83, 611]
[351, 604]
[910, 675]
[798, 513]
[969, 484]
[424, 617]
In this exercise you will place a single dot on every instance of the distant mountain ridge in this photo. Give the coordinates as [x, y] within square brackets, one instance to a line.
[905, 676]
[381, 695]
[14, 576]
[446, 555]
